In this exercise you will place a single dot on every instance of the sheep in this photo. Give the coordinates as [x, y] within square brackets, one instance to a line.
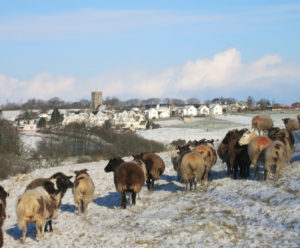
[262, 123]
[83, 190]
[37, 206]
[222, 152]
[275, 155]
[192, 168]
[286, 137]
[256, 145]
[209, 155]
[176, 159]
[63, 182]
[298, 117]
[3, 195]
[237, 156]
[155, 167]
[291, 124]
[128, 177]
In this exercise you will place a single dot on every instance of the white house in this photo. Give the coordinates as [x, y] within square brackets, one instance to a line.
[25, 125]
[97, 120]
[203, 110]
[164, 112]
[215, 109]
[151, 113]
[189, 110]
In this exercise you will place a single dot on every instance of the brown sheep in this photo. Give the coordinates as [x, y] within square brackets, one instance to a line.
[275, 155]
[83, 190]
[209, 155]
[291, 124]
[192, 168]
[63, 182]
[237, 156]
[298, 117]
[37, 206]
[155, 167]
[222, 152]
[262, 123]
[3, 195]
[176, 159]
[256, 145]
[128, 177]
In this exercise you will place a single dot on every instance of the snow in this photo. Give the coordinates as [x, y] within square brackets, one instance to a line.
[224, 213]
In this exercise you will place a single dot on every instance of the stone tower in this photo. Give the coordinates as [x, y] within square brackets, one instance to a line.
[96, 99]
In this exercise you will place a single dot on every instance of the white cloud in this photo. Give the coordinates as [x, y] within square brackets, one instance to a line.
[94, 22]
[42, 86]
[223, 74]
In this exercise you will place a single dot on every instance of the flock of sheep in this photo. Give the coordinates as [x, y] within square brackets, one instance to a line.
[239, 149]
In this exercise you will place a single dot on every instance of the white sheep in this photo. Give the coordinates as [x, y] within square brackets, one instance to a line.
[83, 190]
[38, 206]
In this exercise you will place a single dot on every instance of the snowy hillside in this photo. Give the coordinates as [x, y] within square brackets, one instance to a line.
[225, 213]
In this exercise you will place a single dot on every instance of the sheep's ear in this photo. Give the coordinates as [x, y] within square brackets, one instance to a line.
[69, 177]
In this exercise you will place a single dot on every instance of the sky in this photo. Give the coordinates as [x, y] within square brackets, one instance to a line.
[143, 49]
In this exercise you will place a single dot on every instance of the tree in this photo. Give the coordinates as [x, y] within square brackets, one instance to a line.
[250, 102]
[112, 101]
[192, 101]
[41, 122]
[56, 117]
[264, 103]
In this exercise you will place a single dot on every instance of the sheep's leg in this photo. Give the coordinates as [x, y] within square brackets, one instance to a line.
[148, 183]
[186, 185]
[228, 168]
[48, 223]
[24, 233]
[123, 202]
[256, 172]
[43, 224]
[206, 174]
[277, 172]
[247, 170]
[152, 184]
[191, 185]
[133, 196]
[267, 175]
[85, 207]
[79, 207]
[38, 230]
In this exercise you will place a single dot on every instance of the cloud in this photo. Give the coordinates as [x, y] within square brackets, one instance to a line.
[88, 22]
[222, 75]
[42, 86]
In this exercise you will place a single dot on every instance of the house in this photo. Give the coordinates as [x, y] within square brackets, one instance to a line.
[177, 111]
[151, 113]
[26, 125]
[164, 112]
[203, 110]
[189, 110]
[215, 109]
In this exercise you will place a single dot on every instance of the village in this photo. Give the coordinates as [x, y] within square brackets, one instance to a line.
[127, 117]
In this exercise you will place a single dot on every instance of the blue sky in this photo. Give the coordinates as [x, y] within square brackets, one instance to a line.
[142, 49]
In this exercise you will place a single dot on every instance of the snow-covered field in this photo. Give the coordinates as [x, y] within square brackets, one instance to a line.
[225, 213]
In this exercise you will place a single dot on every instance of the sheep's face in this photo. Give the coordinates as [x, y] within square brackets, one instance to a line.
[245, 139]
[183, 149]
[285, 120]
[113, 164]
[64, 182]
